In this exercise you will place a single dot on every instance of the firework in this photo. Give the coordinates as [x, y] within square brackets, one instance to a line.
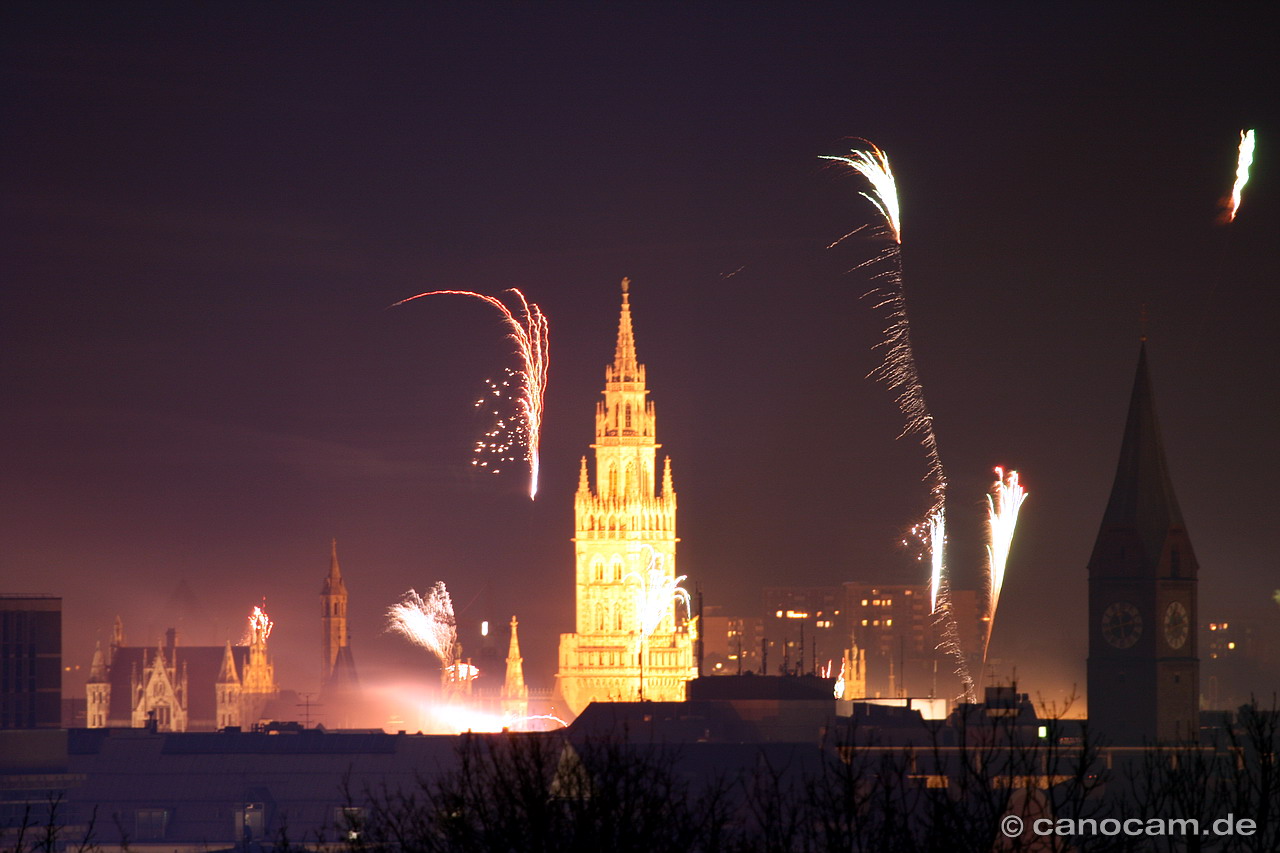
[1003, 502]
[656, 591]
[530, 334]
[427, 622]
[874, 166]
[937, 527]
[898, 371]
[1243, 162]
[259, 627]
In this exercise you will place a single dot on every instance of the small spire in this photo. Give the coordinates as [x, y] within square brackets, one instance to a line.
[513, 687]
[98, 669]
[228, 675]
[667, 487]
[625, 368]
[333, 584]
[583, 487]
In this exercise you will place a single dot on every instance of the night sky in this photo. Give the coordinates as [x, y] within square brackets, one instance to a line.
[208, 210]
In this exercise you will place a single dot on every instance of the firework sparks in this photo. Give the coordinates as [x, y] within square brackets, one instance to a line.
[427, 622]
[259, 627]
[937, 548]
[898, 371]
[530, 334]
[1243, 163]
[874, 166]
[1003, 503]
[656, 593]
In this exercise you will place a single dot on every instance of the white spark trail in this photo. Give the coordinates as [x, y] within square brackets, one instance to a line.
[898, 371]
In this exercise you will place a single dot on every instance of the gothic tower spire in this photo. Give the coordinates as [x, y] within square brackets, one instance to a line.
[333, 617]
[625, 367]
[1144, 675]
[515, 693]
[625, 548]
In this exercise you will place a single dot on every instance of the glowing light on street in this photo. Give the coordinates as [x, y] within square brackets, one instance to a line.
[427, 622]
[530, 334]
[898, 371]
[1243, 162]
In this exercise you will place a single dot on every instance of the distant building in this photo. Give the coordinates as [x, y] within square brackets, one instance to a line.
[182, 688]
[629, 642]
[30, 662]
[807, 626]
[339, 685]
[1144, 672]
[1241, 659]
[811, 630]
[731, 644]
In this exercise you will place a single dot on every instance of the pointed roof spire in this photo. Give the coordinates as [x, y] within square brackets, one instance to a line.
[333, 584]
[98, 669]
[227, 674]
[513, 687]
[1142, 497]
[583, 486]
[667, 487]
[625, 366]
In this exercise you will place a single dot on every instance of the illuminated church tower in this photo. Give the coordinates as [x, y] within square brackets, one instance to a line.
[333, 618]
[630, 643]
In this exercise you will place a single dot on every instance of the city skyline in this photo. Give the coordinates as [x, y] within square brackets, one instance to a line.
[208, 212]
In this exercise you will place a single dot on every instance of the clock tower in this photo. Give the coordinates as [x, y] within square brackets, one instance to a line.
[1144, 675]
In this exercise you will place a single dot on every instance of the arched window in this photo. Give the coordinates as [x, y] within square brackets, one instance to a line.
[613, 479]
[627, 425]
[631, 477]
[598, 570]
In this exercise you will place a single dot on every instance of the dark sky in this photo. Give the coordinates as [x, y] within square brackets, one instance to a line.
[208, 209]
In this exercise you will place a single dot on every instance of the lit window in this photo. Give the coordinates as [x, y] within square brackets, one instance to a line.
[888, 621]
[888, 602]
[1231, 645]
[864, 623]
[864, 602]
[876, 622]
[149, 824]
[778, 614]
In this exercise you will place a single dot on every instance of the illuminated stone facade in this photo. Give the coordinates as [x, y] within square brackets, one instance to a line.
[181, 688]
[630, 641]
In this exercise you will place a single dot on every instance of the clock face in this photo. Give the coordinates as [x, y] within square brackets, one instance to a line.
[1176, 625]
[1121, 624]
